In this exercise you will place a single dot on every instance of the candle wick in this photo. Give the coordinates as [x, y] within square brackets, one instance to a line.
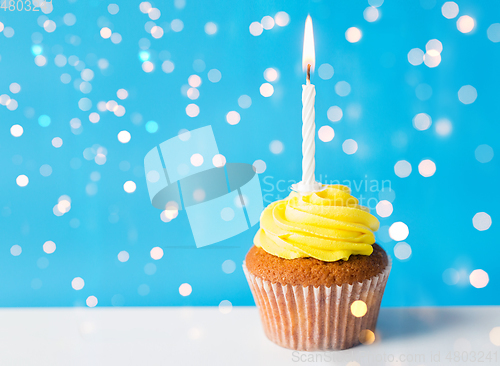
[308, 75]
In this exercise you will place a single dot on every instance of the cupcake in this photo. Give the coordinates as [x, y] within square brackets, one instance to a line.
[315, 271]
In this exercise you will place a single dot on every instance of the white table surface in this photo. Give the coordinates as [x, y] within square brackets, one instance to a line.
[205, 336]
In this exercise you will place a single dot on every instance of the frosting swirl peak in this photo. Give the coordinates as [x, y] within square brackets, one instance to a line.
[328, 225]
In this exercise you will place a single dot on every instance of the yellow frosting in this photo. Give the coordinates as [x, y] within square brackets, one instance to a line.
[328, 225]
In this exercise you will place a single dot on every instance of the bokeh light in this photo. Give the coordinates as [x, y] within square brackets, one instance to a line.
[259, 166]
[227, 214]
[225, 307]
[49, 26]
[91, 301]
[423, 91]
[359, 308]
[219, 160]
[402, 169]
[8, 31]
[12, 105]
[69, 19]
[326, 133]
[16, 130]
[244, 101]
[282, 19]
[228, 266]
[342, 88]
[148, 66]
[266, 90]
[434, 45]
[193, 93]
[479, 278]
[443, 127]
[49, 247]
[366, 337]
[45, 170]
[185, 289]
[214, 75]
[117, 37]
[353, 35]
[384, 208]
[449, 9]
[432, 59]
[77, 283]
[467, 94]
[256, 29]
[399, 231]
[422, 121]
[167, 66]
[465, 24]
[169, 214]
[122, 94]
[57, 142]
[481, 221]
[484, 153]
[105, 32]
[124, 136]
[84, 104]
[402, 251]
[156, 253]
[493, 32]
[123, 256]
[15, 88]
[16, 250]
[177, 25]
[192, 110]
[233, 118]
[267, 22]
[325, 71]
[334, 113]
[350, 146]
[196, 159]
[271, 74]
[276, 147]
[427, 168]
[154, 13]
[151, 126]
[210, 28]
[113, 9]
[129, 186]
[194, 81]
[22, 180]
[495, 336]
[371, 14]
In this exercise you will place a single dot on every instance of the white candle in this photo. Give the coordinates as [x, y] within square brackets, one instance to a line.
[308, 133]
[308, 183]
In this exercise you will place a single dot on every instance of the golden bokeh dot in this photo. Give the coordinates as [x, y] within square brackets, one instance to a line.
[358, 308]
[366, 336]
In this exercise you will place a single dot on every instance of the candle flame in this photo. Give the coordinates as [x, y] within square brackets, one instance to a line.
[308, 54]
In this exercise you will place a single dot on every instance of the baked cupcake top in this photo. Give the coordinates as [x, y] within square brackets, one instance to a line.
[328, 225]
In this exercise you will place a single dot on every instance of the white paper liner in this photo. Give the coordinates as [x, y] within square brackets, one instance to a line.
[316, 318]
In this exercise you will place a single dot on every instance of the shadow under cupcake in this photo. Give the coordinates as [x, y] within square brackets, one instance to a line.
[315, 272]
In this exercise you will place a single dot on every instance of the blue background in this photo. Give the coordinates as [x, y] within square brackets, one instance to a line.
[438, 210]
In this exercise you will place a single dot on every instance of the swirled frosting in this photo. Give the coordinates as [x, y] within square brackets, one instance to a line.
[328, 225]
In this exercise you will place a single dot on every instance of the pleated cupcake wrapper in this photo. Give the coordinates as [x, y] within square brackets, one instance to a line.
[317, 318]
